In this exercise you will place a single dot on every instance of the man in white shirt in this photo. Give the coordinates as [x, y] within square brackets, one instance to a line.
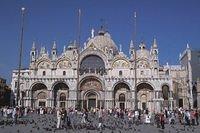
[58, 118]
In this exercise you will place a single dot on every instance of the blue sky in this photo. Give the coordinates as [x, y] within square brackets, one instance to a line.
[173, 22]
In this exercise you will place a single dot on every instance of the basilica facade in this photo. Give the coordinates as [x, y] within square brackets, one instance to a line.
[100, 75]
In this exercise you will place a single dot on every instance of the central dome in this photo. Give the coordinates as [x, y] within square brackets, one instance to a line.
[104, 42]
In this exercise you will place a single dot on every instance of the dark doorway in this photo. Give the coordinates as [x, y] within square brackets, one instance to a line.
[144, 106]
[122, 106]
[42, 104]
[91, 103]
[180, 103]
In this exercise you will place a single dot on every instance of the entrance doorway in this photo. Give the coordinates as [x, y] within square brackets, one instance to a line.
[144, 105]
[42, 103]
[91, 100]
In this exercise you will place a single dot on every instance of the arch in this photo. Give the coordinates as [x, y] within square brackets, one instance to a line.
[37, 84]
[39, 94]
[142, 63]
[63, 63]
[89, 83]
[143, 85]
[43, 63]
[92, 64]
[165, 91]
[145, 96]
[42, 95]
[129, 86]
[62, 97]
[59, 88]
[59, 82]
[91, 97]
[93, 52]
[122, 97]
[120, 63]
[121, 94]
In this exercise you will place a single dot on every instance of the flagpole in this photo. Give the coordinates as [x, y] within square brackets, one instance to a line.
[78, 63]
[17, 102]
[135, 62]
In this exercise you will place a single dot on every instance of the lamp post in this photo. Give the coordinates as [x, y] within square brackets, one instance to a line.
[20, 55]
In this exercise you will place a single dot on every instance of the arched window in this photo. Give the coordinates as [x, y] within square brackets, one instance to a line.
[92, 64]
[165, 91]
[122, 97]
[42, 95]
[64, 73]
[62, 97]
[43, 73]
[120, 73]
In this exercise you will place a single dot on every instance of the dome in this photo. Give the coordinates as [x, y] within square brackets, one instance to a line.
[103, 41]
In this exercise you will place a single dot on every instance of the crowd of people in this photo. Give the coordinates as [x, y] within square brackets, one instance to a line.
[100, 118]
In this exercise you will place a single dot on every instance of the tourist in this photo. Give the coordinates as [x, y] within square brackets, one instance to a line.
[162, 120]
[197, 117]
[58, 118]
[14, 116]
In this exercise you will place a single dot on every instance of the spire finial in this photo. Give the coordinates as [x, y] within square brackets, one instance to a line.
[131, 44]
[92, 33]
[120, 48]
[188, 46]
[33, 45]
[54, 45]
[154, 43]
[64, 49]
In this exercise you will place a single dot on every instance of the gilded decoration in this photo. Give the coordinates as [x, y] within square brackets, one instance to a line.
[142, 64]
[91, 84]
[44, 65]
[120, 64]
[64, 64]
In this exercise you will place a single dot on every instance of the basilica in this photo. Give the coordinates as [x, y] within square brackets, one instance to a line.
[101, 75]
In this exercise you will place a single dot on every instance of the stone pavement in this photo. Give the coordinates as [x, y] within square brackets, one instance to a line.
[47, 123]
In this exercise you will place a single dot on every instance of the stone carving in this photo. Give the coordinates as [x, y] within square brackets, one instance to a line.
[91, 84]
[142, 64]
[43, 65]
[120, 64]
[64, 64]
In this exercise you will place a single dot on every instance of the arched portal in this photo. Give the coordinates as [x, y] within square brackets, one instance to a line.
[145, 96]
[91, 98]
[91, 90]
[165, 94]
[121, 95]
[60, 94]
[39, 95]
[92, 64]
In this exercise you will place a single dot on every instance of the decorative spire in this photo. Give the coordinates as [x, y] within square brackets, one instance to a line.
[188, 46]
[42, 50]
[33, 46]
[154, 43]
[120, 48]
[54, 45]
[64, 49]
[131, 45]
[92, 33]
